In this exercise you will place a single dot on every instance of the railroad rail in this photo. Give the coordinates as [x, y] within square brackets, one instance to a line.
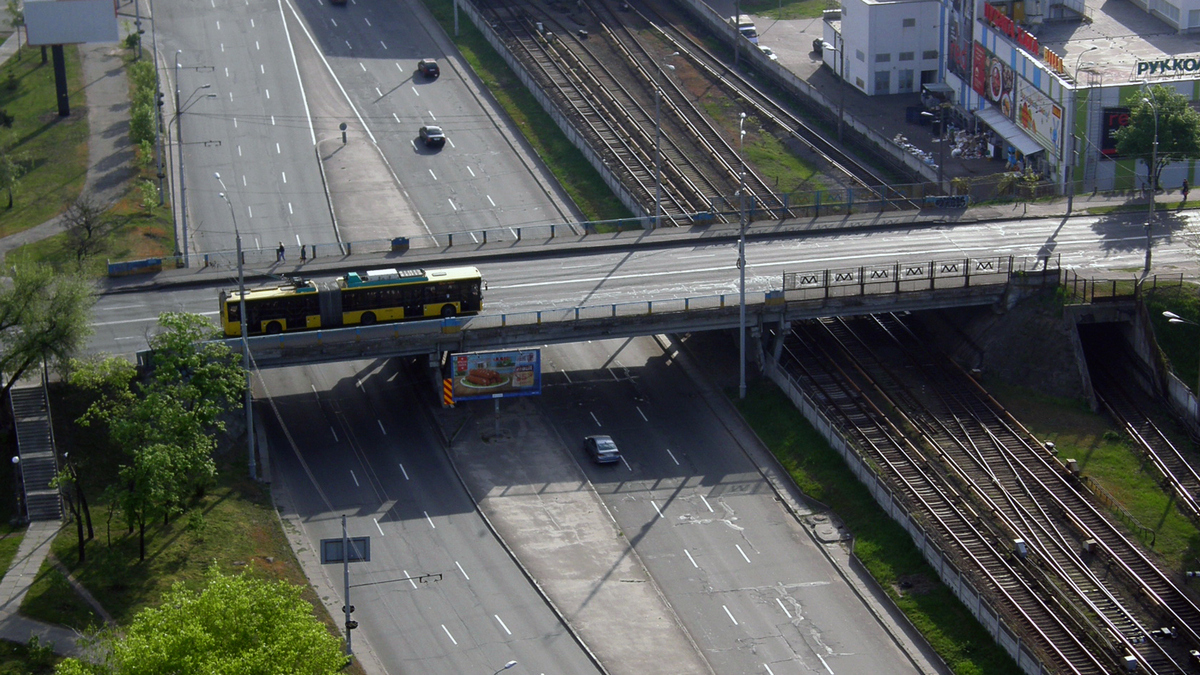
[1068, 550]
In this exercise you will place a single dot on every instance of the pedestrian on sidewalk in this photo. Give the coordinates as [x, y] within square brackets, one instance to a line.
[279, 253]
[303, 255]
[1183, 189]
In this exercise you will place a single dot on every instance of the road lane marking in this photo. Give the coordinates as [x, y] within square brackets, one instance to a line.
[431, 115]
[460, 569]
[231, 97]
[355, 478]
[262, 70]
[268, 93]
[239, 151]
[334, 22]
[295, 66]
[243, 180]
[729, 614]
[397, 118]
[335, 436]
[367, 20]
[348, 45]
[448, 634]
[490, 200]
[506, 630]
[290, 211]
[825, 664]
[739, 548]
[785, 609]
[383, 44]
[660, 515]
[360, 65]
[410, 580]
[641, 413]
[378, 93]
[769, 671]
[218, 24]
[256, 45]
[398, 66]
[381, 427]
[226, 71]
[626, 463]
[235, 123]
[429, 519]
[378, 527]
[277, 150]
[672, 457]
[250, 210]
[284, 174]
[693, 560]
[252, 23]
[416, 92]
[452, 204]
[710, 509]
[403, 472]
[431, 173]
[471, 172]
[595, 420]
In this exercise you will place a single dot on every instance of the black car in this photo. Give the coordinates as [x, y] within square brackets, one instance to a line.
[432, 136]
[428, 68]
[602, 449]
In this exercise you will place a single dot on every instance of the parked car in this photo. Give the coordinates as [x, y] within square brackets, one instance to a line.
[602, 449]
[768, 53]
[432, 136]
[428, 68]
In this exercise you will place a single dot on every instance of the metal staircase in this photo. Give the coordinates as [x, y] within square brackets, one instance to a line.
[35, 445]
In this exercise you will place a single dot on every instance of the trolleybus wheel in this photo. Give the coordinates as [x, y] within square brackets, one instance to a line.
[274, 328]
[367, 319]
[448, 311]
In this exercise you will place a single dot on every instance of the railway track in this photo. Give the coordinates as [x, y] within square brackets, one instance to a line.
[1113, 374]
[651, 134]
[1069, 551]
[965, 534]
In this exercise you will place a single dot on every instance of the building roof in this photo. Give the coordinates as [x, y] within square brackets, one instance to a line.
[1122, 34]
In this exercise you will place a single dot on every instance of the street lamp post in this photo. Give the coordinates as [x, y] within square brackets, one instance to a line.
[841, 52]
[242, 320]
[658, 149]
[741, 260]
[1172, 317]
[508, 665]
[1152, 178]
[1073, 158]
[179, 139]
[17, 491]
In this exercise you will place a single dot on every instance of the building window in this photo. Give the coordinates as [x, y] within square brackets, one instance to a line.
[883, 82]
[929, 54]
[904, 84]
[858, 53]
[883, 58]
[906, 56]
[910, 23]
[1194, 18]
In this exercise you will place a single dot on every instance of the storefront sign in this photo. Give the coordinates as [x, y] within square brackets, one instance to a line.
[1112, 120]
[962, 20]
[1005, 25]
[1039, 117]
[1167, 67]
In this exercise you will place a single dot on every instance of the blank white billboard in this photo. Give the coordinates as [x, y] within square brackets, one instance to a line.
[65, 22]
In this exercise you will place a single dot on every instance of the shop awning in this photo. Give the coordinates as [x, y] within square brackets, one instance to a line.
[1010, 131]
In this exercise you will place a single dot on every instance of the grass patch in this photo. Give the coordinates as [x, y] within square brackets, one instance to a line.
[233, 525]
[26, 659]
[10, 541]
[1159, 207]
[884, 548]
[1106, 455]
[577, 177]
[51, 149]
[779, 10]
[57, 601]
[1177, 342]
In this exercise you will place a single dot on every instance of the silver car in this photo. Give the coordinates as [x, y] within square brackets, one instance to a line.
[602, 449]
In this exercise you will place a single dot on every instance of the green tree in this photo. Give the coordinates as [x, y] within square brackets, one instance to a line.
[204, 374]
[12, 167]
[44, 316]
[236, 624]
[1163, 113]
[87, 227]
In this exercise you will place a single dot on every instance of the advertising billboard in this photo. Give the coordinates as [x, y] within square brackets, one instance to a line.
[994, 80]
[1113, 119]
[961, 37]
[483, 375]
[1039, 117]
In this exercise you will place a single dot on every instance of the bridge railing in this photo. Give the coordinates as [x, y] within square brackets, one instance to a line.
[900, 277]
[609, 311]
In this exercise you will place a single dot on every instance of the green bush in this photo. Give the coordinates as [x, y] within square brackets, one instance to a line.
[141, 122]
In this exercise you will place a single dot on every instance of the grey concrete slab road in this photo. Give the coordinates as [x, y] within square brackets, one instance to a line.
[439, 593]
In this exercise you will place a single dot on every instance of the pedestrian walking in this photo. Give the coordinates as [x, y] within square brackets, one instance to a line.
[1183, 189]
[279, 253]
[303, 255]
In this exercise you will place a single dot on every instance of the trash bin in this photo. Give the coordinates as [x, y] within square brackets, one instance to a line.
[400, 245]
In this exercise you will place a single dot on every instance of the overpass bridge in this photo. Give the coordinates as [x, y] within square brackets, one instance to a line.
[844, 291]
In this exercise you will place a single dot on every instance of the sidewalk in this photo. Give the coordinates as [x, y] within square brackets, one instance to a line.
[110, 155]
[15, 584]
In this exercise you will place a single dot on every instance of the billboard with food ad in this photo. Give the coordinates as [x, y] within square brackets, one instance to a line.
[1040, 117]
[480, 375]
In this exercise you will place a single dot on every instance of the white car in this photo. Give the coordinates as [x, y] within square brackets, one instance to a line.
[768, 53]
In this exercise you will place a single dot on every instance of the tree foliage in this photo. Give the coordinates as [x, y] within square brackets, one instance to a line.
[235, 625]
[1163, 113]
[87, 226]
[43, 316]
[166, 421]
